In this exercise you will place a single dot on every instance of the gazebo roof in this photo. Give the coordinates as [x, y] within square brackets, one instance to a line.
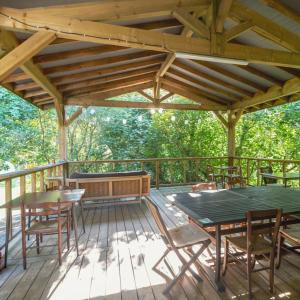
[239, 56]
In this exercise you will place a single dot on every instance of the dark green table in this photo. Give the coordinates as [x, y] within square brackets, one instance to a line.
[285, 178]
[224, 207]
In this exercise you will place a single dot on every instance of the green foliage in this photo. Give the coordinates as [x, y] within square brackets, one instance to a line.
[28, 135]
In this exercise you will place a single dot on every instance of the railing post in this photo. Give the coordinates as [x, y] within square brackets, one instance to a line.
[33, 182]
[248, 171]
[22, 185]
[8, 197]
[184, 162]
[257, 173]
[157, 171]
[42, 181]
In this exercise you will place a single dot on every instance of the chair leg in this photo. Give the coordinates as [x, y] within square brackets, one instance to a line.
[24, 246]
[272, 267]
[68, 229]
[279, 245]
[29, 224]
[186, 265]
[37, 238]
[226, 246]
[249, 269]
[82, 216]
[59, 244]
[160, 260]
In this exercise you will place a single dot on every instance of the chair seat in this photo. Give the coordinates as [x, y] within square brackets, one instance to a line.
[187, 235]
[261, 246]
[292, 234]
[233, 176]
[47, 226]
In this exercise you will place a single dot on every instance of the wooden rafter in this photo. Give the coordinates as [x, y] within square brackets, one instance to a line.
[214, 80]
[63, 79]
[235, 31]
[222, 13]
[34, 72]
[180, 76]
[266, 27]
[116, 10]
[143, 39]
[25, 51]
[289, 88]
[111, 86]
[145, 95]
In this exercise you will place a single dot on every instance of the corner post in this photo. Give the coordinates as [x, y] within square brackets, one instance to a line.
[62, 144]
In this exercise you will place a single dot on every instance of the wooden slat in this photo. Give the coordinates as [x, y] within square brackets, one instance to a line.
[22, 53]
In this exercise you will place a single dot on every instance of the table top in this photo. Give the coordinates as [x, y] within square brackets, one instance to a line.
[45, 197]
[281, 176]
[210, 208]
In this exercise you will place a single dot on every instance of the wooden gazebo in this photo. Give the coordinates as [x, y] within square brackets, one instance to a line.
[229, 57]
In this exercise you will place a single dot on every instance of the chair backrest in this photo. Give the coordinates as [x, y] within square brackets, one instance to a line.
[159, 222]
[209, 169]
[204, 186]
[261, 223]
[266, 169]
[43, 208]
[59, 188]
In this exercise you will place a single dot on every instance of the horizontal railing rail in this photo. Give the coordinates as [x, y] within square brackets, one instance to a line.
[165, 171]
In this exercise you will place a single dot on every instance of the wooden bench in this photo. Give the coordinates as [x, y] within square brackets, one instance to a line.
[112, 188]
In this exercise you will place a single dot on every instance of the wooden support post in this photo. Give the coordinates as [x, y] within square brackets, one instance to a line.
[157, 171]
[62, 144]
[231, 143]
[33, 182]
[22, 185]
[42, 181]
[8, 197]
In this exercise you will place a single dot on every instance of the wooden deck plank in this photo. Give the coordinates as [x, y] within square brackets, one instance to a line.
[121, 244]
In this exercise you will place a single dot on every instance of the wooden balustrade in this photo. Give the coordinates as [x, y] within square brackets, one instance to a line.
[163, 171]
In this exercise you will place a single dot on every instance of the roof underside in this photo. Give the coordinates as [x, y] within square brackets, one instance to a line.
[87, 73]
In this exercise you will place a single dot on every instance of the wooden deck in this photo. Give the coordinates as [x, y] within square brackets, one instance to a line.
[117, 252]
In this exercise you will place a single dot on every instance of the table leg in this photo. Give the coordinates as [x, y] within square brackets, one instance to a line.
[75, 227]
[82, 216]
[7, 233]
[218, 281]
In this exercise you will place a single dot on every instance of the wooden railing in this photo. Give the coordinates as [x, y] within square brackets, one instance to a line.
[17, 183]
[163, 171]
[184, 170]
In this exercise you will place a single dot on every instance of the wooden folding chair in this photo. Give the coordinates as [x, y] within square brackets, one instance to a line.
[39, 226]
[260, 240]
[291, 234]
[182, 237]
[203, 186]
[234, 177]
[212, 176]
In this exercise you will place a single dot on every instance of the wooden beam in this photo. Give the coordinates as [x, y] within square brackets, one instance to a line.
[231, 75]
[237, 30]
[143, 39]
[145, 95]
[115, 11]
[22, 53]
[221, 118]
[223, 12]
[266, 28]
[165, 97]
[212, 79]
[290, 87]
[202, 84]
[118, 91]
[77, 77]
[74, 116]
[261, 74]
[283, 9]
[194, 24]
[34, 72]
[191, 93]
[107, 79]
[100, 62]
[112, 85]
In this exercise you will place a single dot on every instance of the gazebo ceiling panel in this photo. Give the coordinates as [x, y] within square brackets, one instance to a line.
[275, 15]
[67, 62]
